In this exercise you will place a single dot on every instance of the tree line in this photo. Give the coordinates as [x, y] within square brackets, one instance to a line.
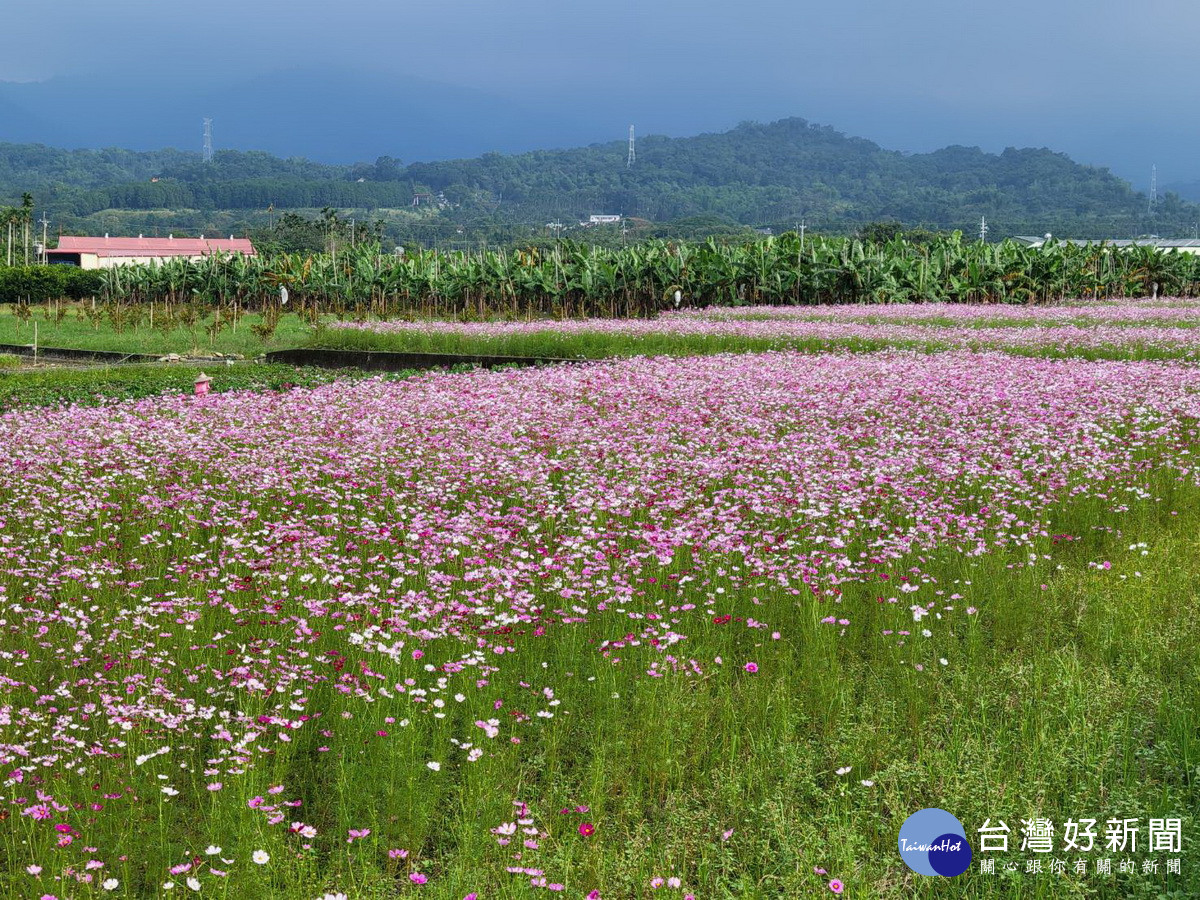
[760, 175]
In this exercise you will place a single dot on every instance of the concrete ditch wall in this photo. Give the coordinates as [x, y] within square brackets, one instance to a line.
[63, 353]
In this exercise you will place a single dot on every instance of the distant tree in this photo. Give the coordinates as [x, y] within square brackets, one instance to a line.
[880, 232]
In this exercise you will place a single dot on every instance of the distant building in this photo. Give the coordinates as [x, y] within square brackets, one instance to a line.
[106, 252]
[602, 220]
[1179, 245]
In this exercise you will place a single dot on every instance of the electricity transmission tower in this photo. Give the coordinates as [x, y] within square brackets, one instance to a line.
[208, 148]
[632, 152]
[983, 229]
[1153, 189]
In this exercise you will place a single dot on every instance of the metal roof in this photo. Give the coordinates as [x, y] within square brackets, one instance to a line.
[144, 246]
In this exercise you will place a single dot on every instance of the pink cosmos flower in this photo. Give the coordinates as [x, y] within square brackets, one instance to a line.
[751, 667]
[836, 886]
[417, 878]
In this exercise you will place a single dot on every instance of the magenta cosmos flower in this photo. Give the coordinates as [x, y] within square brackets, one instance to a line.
[587, 829]
[751, 667]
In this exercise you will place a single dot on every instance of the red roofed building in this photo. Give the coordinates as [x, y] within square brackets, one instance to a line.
[106, 252]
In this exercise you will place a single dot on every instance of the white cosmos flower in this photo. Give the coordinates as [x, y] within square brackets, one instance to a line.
[436, 766]
[260, 857]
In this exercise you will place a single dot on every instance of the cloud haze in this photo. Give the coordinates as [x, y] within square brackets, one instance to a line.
[1108, 82]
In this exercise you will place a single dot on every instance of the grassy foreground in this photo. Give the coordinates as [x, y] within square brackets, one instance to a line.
[1071, 693]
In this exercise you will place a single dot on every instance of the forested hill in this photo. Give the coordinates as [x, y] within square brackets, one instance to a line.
[755, 174]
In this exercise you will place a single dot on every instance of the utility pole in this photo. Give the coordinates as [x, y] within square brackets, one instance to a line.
[983, 229]
[208, 147]
[45, 248]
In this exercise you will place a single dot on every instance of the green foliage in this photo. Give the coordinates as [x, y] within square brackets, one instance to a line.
[37, 284]
[754, 175]
[88, 387]
[570, 280]
[293, 233]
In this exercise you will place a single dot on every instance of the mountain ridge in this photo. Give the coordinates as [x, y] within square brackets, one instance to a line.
[774, 175]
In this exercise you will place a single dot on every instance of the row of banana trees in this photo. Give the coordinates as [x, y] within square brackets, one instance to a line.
[578, 280]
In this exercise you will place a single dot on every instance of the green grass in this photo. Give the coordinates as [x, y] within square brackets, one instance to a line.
[91, 386]
[77, 333]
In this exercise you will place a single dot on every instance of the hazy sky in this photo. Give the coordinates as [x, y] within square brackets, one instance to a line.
[1108, 81]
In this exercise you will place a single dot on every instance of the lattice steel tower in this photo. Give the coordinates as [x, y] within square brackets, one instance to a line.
[632, 152]
[1153, 189]
[208, 150]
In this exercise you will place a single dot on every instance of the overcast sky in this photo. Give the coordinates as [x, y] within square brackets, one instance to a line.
[1108, 81]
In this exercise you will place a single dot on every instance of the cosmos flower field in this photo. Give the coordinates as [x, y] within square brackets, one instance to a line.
[657, 627]
[1128, 329]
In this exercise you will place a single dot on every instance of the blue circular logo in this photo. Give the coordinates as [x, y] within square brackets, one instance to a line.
[933, 842]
